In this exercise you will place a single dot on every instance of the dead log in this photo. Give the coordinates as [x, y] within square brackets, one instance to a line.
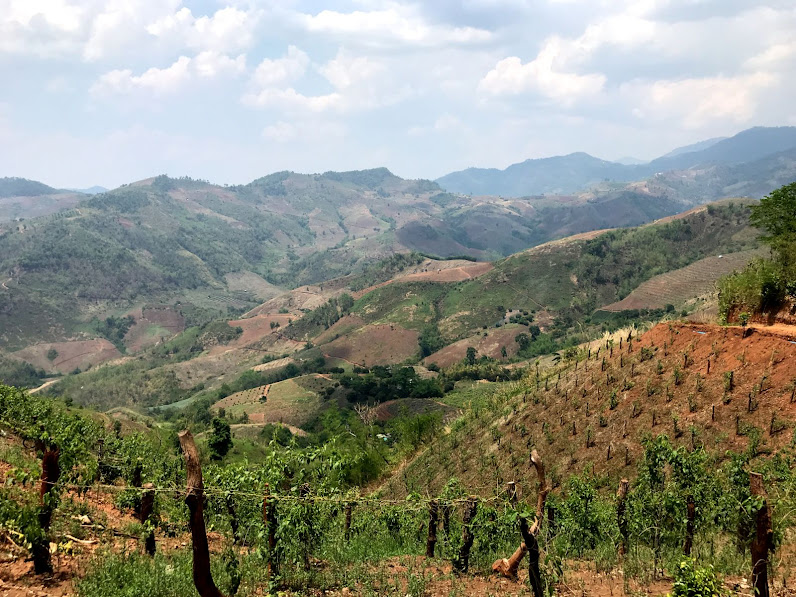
[194, 499]
[763, 542]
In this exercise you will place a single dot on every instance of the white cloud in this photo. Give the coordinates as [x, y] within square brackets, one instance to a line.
[157, 80]
[394, 23]
[697, 102]
[117, 24]
[228, 29]
[275, 71]
[345, 71]
[445, 123]
[290, 99]
[286, 132]
[163, 81]
[510, 77]
[209, 64]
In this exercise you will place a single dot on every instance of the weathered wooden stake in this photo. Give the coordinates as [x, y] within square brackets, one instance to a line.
[269, 518]
[433, 520]
[50, 473]
[348, 508]
[621, 517]
[763, 542]
[147, 506]
[462, 562]
[689, 525]
[194, 499]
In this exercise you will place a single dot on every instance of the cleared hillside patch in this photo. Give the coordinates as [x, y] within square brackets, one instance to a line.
[678, 286]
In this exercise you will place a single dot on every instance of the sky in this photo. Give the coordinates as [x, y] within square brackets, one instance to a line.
[104, 92]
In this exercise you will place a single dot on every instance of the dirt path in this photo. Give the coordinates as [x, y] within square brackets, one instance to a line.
[3, 284]
[43, 386]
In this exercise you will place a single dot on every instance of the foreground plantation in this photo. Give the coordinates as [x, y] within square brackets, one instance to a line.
[311, 515]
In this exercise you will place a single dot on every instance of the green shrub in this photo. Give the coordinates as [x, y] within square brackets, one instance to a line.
[690, 581]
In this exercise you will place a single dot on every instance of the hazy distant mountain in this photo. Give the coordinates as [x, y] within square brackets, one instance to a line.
[578, 171]
[95, 190]
[556, 175]
[630, 161]
[22, 187]
[699, 146]
[22, 199]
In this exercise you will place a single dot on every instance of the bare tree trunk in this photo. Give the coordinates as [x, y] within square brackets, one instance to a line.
[621, 517]
[348, 508]
[269, 518]
[147, 506]
[433, 520]
[763, 542]
[50, 473]
[194, 499]
[689, 525]
[508, 567]
[462, 562]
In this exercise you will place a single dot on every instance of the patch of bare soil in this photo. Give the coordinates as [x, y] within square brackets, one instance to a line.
[71, 355]
[375, 345]
[490, 345]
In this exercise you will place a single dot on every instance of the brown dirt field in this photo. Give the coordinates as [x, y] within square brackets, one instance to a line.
[375, 345]
[647, 402]
[288, 403]
[252, 283]
[489, 346]
[277, 364]
[436, 271]
[76, 353]
[387, 411]
[343, 326]
[166, 320]
[678, 286]
[256, 328]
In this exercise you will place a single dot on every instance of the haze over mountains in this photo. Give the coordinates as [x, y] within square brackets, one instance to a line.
[573, 172]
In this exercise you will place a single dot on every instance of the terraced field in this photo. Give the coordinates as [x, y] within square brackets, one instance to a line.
[291, 402]
[678, 286]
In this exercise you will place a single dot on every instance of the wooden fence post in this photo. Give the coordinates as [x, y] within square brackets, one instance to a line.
[621, 518]
[147, 506]
[269, 519]
[194, 499]
[462, 562]
[348, 508]
[763, 541]
[689, 525]
[433, 521]
[50, 473]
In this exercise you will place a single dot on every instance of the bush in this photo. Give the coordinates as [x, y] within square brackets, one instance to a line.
[690, 581]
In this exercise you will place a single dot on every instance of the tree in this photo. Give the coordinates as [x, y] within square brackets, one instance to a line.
[776, 216]
[52, 354]
[220, 439]
[470, 358]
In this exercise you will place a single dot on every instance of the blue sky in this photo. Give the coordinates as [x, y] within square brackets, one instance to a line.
[110, 91]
